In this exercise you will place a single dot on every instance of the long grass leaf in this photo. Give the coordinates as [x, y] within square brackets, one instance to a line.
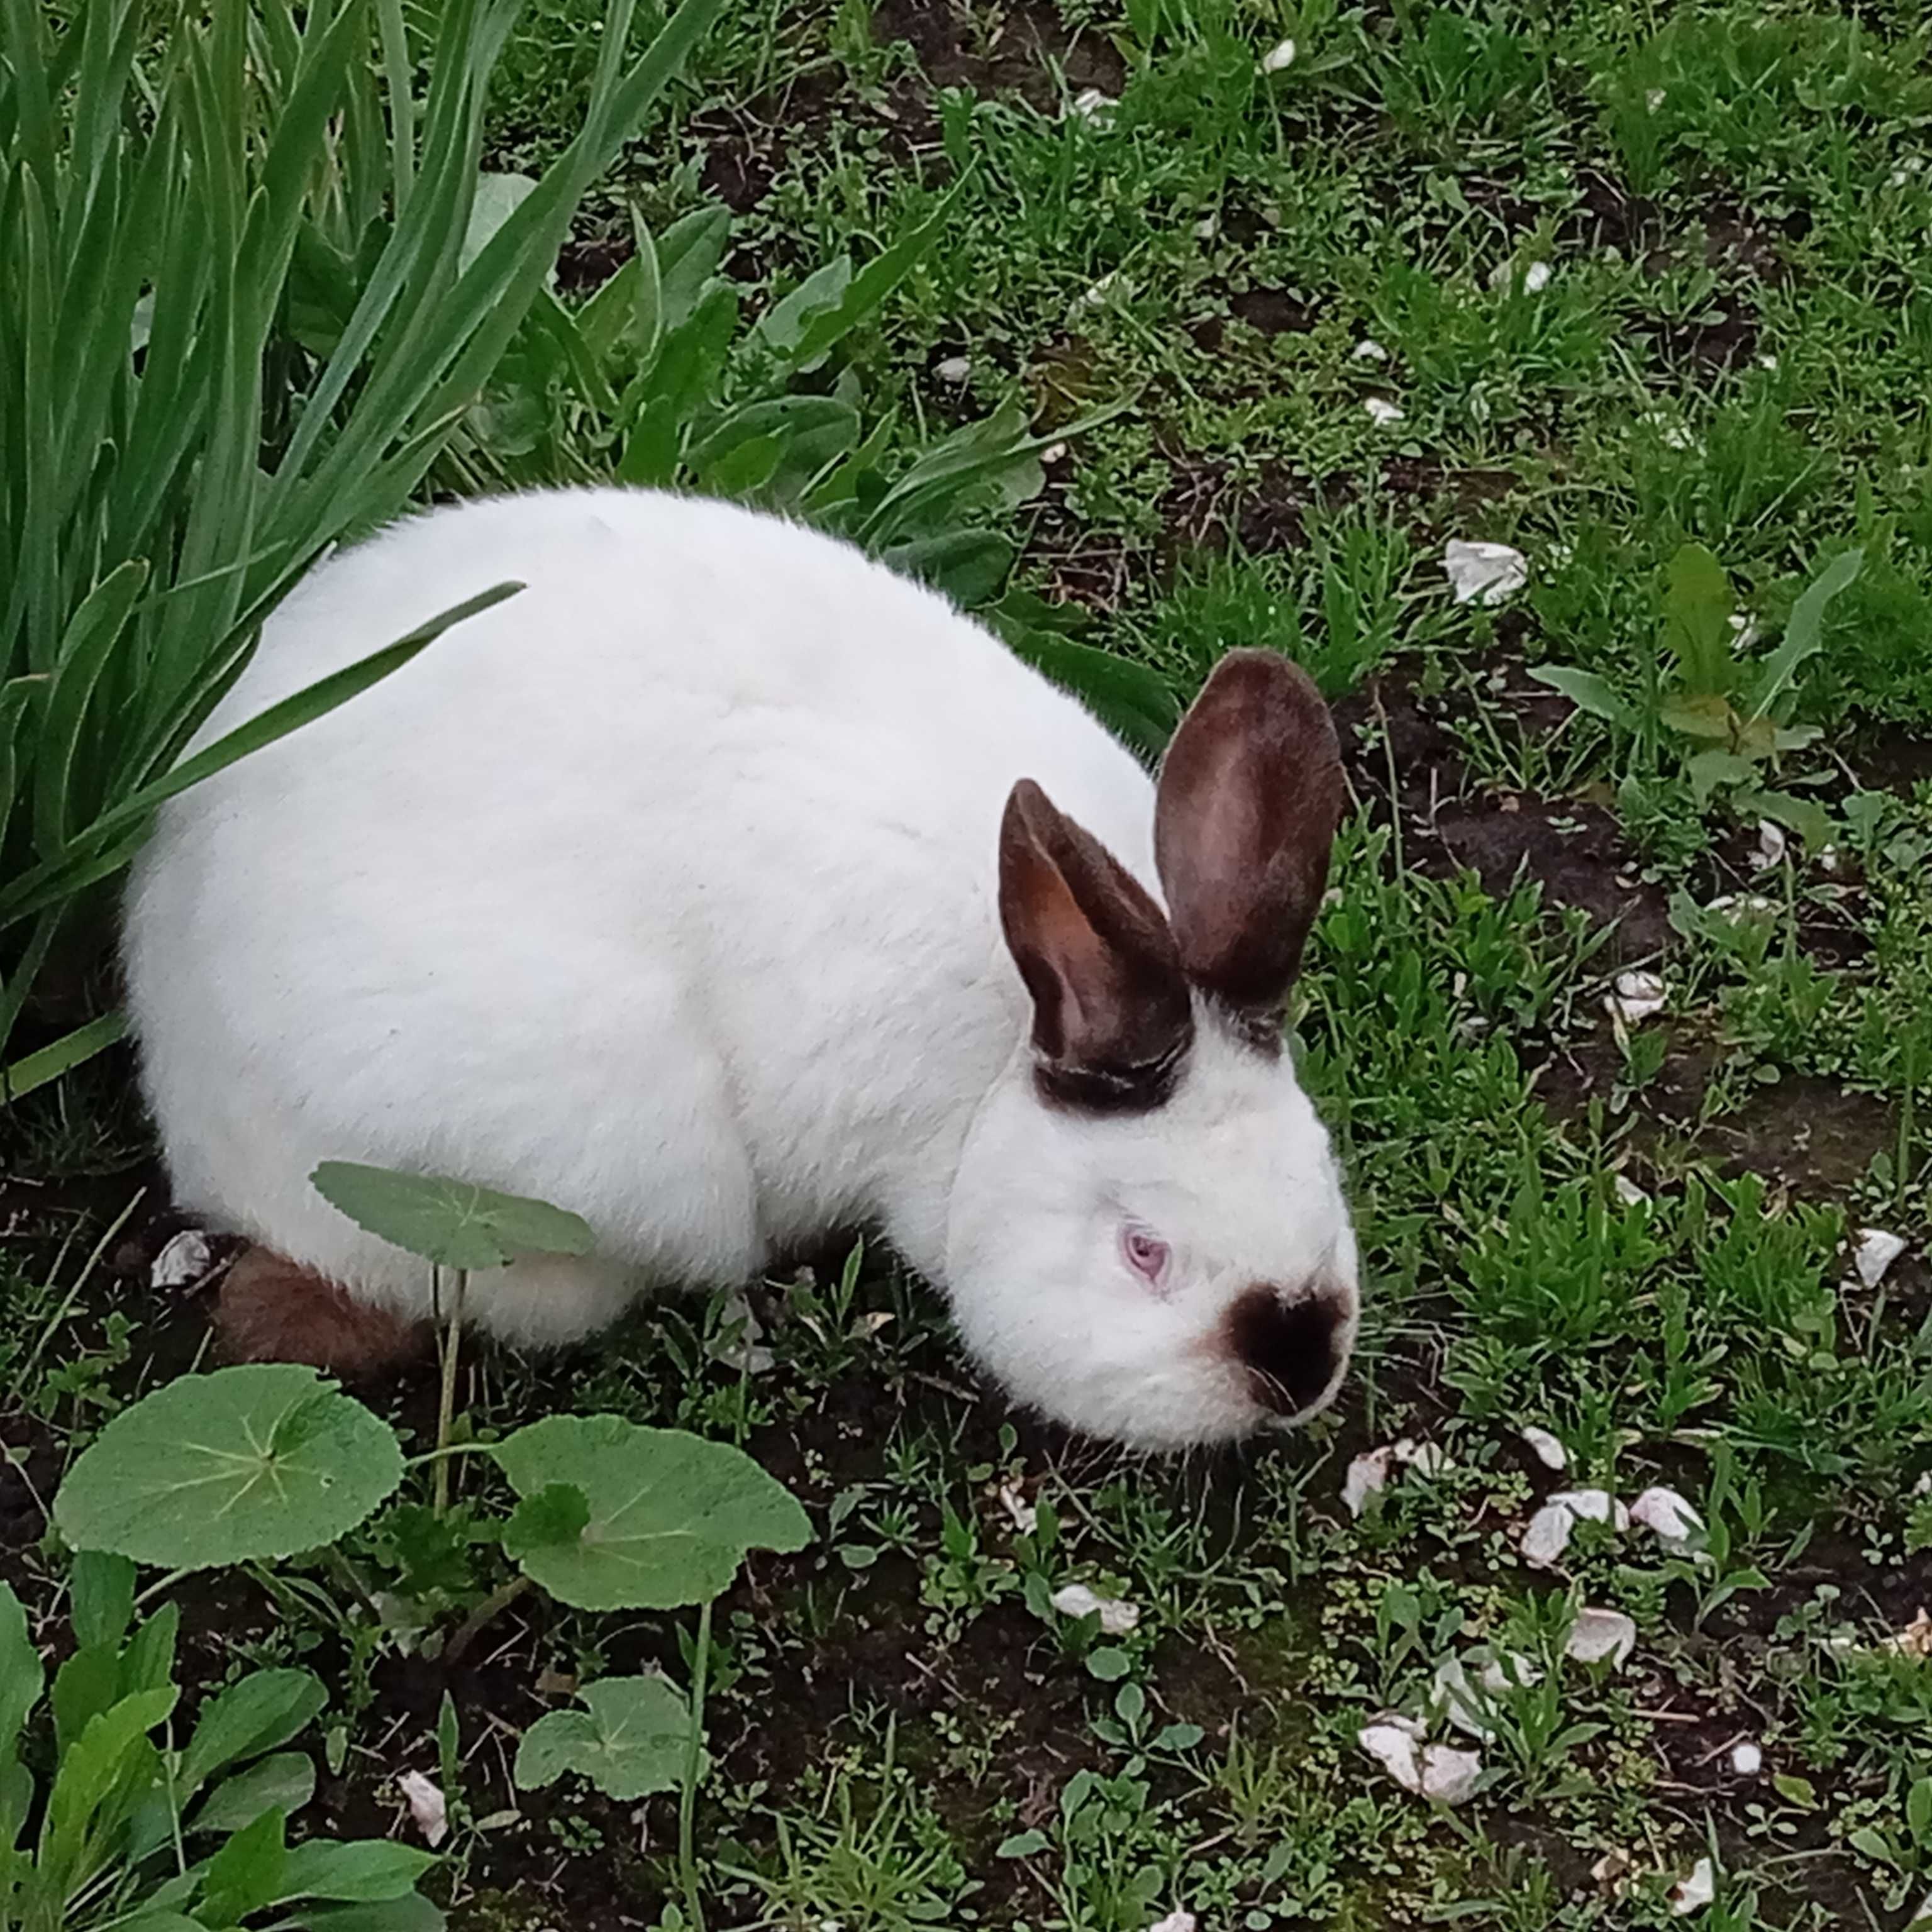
[49, 1064]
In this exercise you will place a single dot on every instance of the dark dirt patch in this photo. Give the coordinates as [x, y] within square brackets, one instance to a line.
[1274, 311]
[1029, 53]
[1810, 1134]
[1575, 851]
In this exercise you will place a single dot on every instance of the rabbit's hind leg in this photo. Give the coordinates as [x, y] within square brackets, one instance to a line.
[271, 1309]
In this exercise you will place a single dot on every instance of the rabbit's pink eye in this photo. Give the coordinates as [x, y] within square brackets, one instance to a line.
[1146, 1254]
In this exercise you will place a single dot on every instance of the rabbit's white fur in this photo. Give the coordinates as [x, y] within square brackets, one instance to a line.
[667, 891]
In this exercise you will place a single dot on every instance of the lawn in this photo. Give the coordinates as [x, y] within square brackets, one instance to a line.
[1621, 1010]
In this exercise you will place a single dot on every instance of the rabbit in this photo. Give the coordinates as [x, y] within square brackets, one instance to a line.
[729, 889]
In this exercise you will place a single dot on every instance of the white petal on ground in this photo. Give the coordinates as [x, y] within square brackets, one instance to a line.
[954, 369]
[1023, 1515]
[1536, 277]
[1513, 1670]
[1873, 1252]
[1628, 1191]
[1368, 350]
[1427, 1458]
[427, 1806]
[1100, 291]
[1279, 56]
[1093, 103]
[1611, 1871]
[1547, 1536]
[1915, 1640]
[1449, 1775]
[1637, 996]
[1381, 411]
[1740, 908]
[1747, 1759]
[1598, 1634]
[1175, 1921]
[1117, 1618]
[1391, 1742]
[1770, 844]
[1053, 452]
[1485, 573]
[1367, 1473]
[1208, 227]
[1743, 630]
[184, 1261]
[1550, 1452]
[1593, 1506]
[1667, 1513]
[1693, 1894]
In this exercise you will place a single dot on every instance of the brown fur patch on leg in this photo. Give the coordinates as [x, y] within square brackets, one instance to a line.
[271, 1310]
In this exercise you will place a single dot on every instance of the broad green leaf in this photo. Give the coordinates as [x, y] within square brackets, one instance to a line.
[86, 1684]
[1587, 692]
[244, 1465]
[1705, 715]
[1709, 769]
[1804, 636]
[100, 1593]
[497, 197]
[285, 1782]
[247, 1872]
[966, 566]
[22, 1677]
[631, 1742]
[112, 1745]
[559, 1514]
[1132, 700]
[266, 1708]
[412, 1912]
[671, 1516]
[1022, 1845]
[1803, 816]
[449, 1222]
[1697, 620]
[359, 1873]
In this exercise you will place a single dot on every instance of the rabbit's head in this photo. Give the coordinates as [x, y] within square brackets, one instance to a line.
[1147, 1239]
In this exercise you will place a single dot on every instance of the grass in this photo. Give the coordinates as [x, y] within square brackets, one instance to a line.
[1634, 1237]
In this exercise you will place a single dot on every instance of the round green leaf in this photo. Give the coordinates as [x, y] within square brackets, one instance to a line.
[671, 1515]
[449, 1222]
[630, 1743]
[244, 1464]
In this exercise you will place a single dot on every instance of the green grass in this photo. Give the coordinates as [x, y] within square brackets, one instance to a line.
[1734, 347]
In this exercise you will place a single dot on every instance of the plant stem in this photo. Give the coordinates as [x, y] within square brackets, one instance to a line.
[687, 1800]
[452, 1342]
[486, 1612]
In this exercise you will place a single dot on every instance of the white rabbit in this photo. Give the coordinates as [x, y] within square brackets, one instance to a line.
[710, 887]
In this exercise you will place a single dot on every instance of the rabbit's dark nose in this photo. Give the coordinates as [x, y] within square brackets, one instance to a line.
[1289, 1349]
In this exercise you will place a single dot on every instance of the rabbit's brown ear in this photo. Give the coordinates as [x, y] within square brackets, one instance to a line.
[1251, 792]
[1111, 1016]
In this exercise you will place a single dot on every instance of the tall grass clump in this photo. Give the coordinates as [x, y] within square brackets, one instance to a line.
[248, 291]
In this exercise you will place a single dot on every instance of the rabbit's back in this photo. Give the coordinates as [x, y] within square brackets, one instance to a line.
[665, 889]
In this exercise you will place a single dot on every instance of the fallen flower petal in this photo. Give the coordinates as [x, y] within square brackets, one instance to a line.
[1391, 1742]
[1637, 995]
[1366, 1474]
[1368, 350]
[1596, 1635]
[1449, 1776]
[1536, 277]
[1915, 1640]
[1594, 1506]
[1873, 1254]
[1382, 412]
[1547, 1536]
[1693, 1894]
[1024, 1516]
[1454, 1697]
[1486, 573]
[1279, 56]
[1628, 1191]
[1770, 844]
[954, 369]
[427, 1806]
[1429, 1459]
[1747, 1760]
[1550, 1452]
[1175, 1921]
[1076, 1599]
[185, 1260]
[1093, 104]
[1512, 1670]
[1667, 1513]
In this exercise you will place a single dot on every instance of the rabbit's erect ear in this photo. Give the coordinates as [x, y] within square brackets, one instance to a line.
[1111, 1016]
[1251, 792]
